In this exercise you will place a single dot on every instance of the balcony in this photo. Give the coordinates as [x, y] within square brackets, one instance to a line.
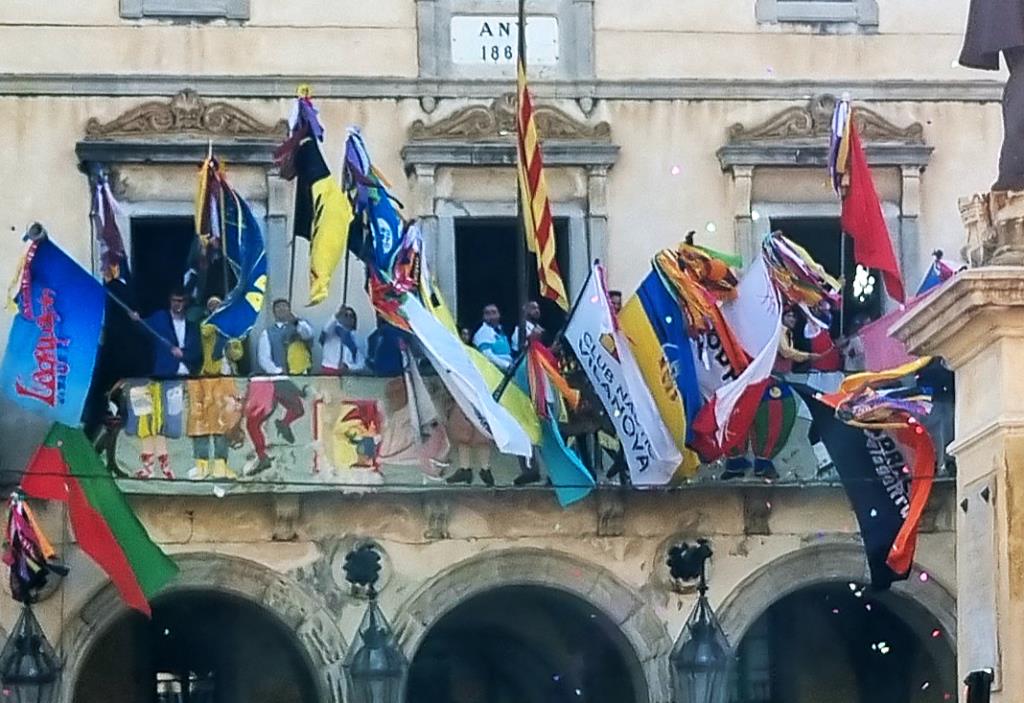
[350, 434]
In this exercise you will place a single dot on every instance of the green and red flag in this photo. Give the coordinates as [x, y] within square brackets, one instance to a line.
[66, 468]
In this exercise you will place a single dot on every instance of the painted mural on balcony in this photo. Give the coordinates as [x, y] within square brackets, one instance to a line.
[308, 433]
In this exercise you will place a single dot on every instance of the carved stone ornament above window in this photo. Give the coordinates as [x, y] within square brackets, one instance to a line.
[798, 136]
[498, 121]
[179, 130]
[484, 135]
[185, 113]
[815, 120]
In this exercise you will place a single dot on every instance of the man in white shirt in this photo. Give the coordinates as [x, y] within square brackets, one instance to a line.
[490, 339]
[283, 349]
[274, 351]
[344, 349]
[533, 328]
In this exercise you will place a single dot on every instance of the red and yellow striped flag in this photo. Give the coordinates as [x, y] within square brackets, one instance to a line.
[540, 231]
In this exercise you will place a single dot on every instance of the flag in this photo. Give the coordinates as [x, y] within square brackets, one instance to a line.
[938, 273]
[514, 400]
[467, 386]
[113, 260]
[533, 190]
[605, 355]
[569, 477]
[862, 219]
[51, 350]
[755, 316]
[653, 323]
[66, 468]
[322, 212]
[374, 208]
[237, 314]
[887, 495]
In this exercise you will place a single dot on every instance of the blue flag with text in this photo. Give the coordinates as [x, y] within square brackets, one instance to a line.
[51, 351]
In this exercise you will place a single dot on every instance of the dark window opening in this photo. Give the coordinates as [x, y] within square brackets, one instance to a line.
[486, 261]
[162, 254]
[823, 239]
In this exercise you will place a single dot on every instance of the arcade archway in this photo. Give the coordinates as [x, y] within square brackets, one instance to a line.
[199, 647]
[525, 644]
[843, 643]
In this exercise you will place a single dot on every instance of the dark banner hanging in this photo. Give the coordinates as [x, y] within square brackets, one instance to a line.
[872, 467]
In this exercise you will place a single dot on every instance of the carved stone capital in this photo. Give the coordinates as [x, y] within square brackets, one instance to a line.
[185, 114]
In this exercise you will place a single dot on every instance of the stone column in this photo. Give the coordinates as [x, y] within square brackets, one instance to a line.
[597, 213]
[423, 186]
[278, 236]
[977, 323]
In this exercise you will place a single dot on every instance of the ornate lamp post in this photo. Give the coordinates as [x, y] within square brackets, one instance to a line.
[28, 666]
[700, 666]
[375, 669]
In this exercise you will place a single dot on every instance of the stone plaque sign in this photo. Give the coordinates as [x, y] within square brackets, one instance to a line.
[492, 40]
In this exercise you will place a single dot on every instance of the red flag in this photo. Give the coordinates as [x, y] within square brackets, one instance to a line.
[862, 219]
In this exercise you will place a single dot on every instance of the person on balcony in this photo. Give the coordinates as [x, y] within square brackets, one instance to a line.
[533, 328]
[220, 354]
[491, 340]
[283, 349]
[344, 349]
[284, 346]
[214, 405]
[155, 407]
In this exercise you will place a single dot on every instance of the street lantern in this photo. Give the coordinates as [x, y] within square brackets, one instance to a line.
[376, 667]
[28, 665]
[701, 665]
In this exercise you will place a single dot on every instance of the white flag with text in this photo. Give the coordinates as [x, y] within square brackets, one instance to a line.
[605, 356]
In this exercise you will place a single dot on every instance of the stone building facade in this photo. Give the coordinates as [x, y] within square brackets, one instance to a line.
[675, 117]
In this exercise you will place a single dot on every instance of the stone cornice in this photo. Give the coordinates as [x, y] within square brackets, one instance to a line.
[815, 153]
[958, 319]
[445, 152]
[390, 87]
[255, 152]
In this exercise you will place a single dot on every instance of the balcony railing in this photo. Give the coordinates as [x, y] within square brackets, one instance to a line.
[352, 433]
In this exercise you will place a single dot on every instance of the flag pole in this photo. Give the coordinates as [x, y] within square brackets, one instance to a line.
[37, 232]
[523, 254]
[500, 390]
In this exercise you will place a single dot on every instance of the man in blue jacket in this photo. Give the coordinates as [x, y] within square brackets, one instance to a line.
[155, 409]
[184, 354]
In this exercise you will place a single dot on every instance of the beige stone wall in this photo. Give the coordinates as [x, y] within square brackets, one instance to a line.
[650, 207]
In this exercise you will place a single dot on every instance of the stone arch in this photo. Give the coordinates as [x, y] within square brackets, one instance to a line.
[643, 630]
[823, 563]
[316, 633]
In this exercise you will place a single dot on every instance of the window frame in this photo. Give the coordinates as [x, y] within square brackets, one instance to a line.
[859, 12]
[195, 9]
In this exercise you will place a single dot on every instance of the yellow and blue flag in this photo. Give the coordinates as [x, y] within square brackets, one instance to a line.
[654, 324]
[51, 351]
[238, 313]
